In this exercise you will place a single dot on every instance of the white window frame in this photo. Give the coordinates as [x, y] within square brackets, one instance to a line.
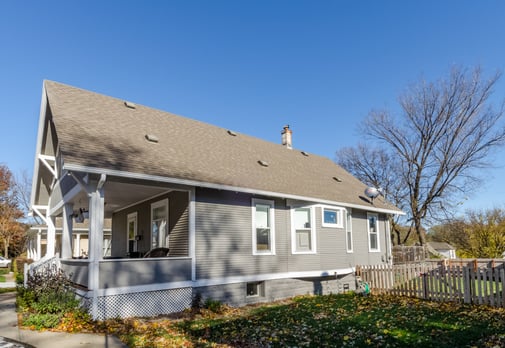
[377, 232]
[271, 211]
[340, 216]
[155, 205]
[129, 218]
[313, 240]
[259, 289]
[348, 231]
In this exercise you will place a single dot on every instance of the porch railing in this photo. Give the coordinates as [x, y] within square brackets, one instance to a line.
[44, 265]
[122, 273]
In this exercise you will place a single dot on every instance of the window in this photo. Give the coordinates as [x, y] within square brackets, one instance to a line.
[303, 235]
[373, 232]
[332, 217]
[263, 227]
[132, 232]
[255, 289]
[348, 231]
[159, 224]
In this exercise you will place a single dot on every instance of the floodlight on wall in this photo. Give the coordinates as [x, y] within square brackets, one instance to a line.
[84, 213]
[80, 216]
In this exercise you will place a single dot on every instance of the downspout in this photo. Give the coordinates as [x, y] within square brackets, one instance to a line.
[389, 256]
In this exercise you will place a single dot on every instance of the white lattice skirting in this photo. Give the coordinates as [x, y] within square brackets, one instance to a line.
[143, 304]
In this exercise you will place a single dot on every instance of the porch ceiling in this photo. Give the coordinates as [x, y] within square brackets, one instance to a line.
[119, 195]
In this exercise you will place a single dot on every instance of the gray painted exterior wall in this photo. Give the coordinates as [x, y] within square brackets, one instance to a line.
[224, 239]
[224, 249]
[77, 270]
[131, 272]
[235, 294]
[177, 225]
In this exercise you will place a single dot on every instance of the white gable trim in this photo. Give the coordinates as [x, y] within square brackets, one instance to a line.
[42, 121]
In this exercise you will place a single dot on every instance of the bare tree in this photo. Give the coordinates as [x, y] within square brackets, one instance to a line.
[445, 132]
[375, 167]
[22, 186]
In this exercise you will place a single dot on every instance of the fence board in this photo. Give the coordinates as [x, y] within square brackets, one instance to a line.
[477, 281]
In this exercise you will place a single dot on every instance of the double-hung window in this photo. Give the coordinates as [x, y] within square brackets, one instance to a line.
[263, 227]
[303, 232]
[373, 232]
[159, 224]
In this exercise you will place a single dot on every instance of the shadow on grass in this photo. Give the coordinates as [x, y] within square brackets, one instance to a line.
[351, 321]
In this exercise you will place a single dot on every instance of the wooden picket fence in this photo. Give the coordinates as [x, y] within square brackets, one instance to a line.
[438, 282]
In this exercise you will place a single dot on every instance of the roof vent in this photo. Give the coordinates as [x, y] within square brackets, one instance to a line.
[152, 138]
[337, 179]
[306, 154]
[232, 133]
[263, 163]
[130, 105]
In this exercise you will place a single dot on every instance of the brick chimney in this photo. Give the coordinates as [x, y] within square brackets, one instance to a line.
[287, 137]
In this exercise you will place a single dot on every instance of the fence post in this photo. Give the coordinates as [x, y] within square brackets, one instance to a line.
[425, 286]
[466, 285]
[502, 287]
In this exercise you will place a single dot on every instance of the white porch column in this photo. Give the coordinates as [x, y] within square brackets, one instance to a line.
[66, 236]
[95, 239]
[77, 245]
[51, 236]
[29, 248]
[39, 245]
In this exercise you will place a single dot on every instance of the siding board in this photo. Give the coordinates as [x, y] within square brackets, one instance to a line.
[224, 239]
[178, 221]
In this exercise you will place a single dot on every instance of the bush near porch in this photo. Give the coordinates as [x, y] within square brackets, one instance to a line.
[48, 301]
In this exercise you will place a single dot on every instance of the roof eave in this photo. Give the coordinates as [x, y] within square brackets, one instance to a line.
[187, 182]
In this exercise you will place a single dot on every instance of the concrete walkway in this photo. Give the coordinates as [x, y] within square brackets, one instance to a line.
[9, 329]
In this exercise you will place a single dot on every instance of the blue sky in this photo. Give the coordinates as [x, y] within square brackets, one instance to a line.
[251, 66]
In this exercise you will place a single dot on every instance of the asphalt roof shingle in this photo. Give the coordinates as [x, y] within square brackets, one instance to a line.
[98, 131]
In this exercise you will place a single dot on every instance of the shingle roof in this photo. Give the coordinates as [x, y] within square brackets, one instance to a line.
[98, 131]
[441, 246]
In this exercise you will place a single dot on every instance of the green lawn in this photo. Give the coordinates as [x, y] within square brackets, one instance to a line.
[3, 271]
[325, 321]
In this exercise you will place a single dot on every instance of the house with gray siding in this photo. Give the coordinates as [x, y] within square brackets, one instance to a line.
[194, 209]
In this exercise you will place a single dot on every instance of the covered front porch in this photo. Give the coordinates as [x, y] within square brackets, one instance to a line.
[151, 249]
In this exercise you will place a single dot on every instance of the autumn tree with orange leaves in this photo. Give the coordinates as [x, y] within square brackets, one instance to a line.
[10, 213]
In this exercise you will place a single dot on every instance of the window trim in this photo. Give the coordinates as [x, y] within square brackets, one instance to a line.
[260, 289]
[368, 216]
[271, 203]
[348, 231]
[313, 240]
[340, 216]
[154, 205]
[129, 217]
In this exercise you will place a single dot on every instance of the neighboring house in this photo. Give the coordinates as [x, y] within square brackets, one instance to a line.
[442, 249]
[244, 220]
[37, 239]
